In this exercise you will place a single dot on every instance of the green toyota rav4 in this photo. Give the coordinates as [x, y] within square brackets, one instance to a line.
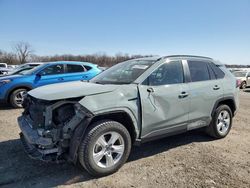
[95, 123]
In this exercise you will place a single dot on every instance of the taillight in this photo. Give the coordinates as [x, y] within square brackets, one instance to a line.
[238, 83]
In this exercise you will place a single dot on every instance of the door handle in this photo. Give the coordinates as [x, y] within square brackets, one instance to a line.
[150, 90]
[216, 87]
[60, 79]
[183, 94]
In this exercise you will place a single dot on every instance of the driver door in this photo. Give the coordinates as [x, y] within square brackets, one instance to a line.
[165, 101]
[50, 75]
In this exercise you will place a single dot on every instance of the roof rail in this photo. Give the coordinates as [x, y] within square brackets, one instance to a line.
[195, 56]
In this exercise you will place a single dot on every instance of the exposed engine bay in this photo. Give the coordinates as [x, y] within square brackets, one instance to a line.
[48, 127]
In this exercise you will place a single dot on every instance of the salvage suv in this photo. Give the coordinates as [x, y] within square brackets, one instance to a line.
[94, 123]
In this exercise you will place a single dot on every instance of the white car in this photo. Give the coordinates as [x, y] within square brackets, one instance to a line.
[3, 65]
[244, 78]
[4, 71]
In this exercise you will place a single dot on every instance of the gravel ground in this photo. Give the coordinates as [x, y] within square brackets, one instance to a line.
[188, 160]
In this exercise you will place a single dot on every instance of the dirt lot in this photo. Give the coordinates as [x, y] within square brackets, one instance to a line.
[187, 160]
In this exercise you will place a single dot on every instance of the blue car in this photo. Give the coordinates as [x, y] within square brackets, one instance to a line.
[13, 87]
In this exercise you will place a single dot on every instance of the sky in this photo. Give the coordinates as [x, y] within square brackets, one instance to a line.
[216, 28]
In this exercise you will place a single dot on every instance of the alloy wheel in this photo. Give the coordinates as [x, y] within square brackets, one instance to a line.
[108, 149]
[223, 122]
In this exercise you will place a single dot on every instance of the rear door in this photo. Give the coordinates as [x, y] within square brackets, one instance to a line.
[164, 100]
[75, 72]
[205, 89]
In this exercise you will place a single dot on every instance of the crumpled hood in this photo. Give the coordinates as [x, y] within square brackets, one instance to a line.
[70, 90]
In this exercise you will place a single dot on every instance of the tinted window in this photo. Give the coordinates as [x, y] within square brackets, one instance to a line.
[211, 73]
[87, 67]
[54, 69]
[75, 68]
[168, 73]
[198, 71]
[217, 71]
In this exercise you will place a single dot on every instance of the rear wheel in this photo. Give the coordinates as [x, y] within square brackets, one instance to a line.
[221, 122]
[105, 148]
[243, 85]
[17, 97]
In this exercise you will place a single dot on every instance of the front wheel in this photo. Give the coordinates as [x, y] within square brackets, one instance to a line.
[105, 148]
[17, 97]
[221, 122]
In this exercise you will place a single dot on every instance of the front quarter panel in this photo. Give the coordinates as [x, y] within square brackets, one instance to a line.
[20, 82]
[124, 98]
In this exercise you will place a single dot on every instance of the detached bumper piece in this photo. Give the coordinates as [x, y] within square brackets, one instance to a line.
[35, 146]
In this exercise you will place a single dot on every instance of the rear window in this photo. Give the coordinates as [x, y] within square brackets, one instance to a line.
[75, 68]
[87, 67]
[217, 71]
[211, 73]
[240, 74]
[198, 71]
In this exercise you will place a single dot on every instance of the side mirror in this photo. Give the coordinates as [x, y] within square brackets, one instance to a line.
[38, 75]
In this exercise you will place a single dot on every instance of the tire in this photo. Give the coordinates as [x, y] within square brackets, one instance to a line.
[220, 126]
[243, 85]
[97, 142]
[16, 97]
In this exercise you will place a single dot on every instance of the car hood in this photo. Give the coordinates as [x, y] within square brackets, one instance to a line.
[70, 90]
[11, 77]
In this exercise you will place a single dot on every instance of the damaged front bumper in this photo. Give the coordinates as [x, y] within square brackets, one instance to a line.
[50, 141]
[36, 146]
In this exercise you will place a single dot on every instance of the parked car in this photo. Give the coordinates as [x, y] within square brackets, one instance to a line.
[13, 87]
[21, 68]
[243, 77]
[24, 68]
[12, 66]
[96, 122]
[4, 71]
[3, 65]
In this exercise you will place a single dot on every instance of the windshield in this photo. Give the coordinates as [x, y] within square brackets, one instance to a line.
[123, 73]
[240, 74]
[32, 71]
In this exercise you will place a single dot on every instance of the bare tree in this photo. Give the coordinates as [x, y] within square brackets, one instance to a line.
[23, 51]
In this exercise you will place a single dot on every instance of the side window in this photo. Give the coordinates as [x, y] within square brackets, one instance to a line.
[87, 67]
[211, 72]
[198, 71]
[217, 71]
[53, 69]
[168, 73]
[75, 68]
